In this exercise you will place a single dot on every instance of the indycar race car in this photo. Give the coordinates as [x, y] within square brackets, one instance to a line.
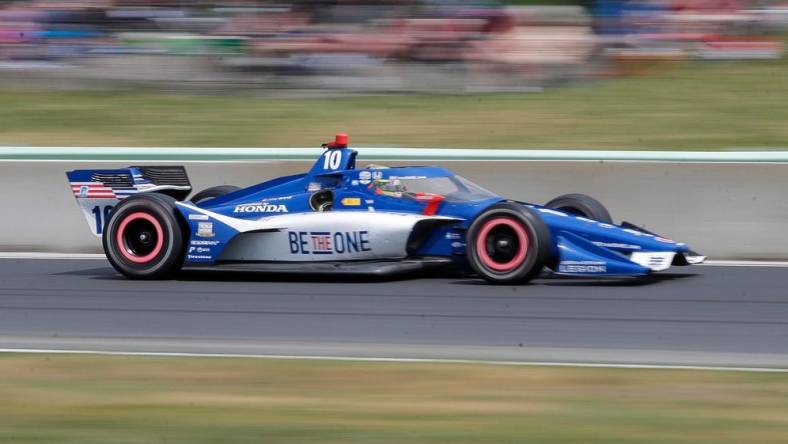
[336, 218]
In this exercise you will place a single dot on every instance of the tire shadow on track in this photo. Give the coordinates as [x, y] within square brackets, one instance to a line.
[106, 273]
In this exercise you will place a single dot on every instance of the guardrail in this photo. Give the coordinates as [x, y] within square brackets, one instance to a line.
[729, 205]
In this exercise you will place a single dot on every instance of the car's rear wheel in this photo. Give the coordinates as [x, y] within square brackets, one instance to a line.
[143, 238]
[581, 205]
[213, 192]
[508, 243]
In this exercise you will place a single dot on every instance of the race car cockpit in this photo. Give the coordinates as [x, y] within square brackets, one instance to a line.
[449, 188]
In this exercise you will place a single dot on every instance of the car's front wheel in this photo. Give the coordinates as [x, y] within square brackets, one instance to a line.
[508, 243]
[143, 238]
[581, 205]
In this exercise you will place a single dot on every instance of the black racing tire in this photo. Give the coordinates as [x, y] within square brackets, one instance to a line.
[212, 192]
[144, 237]
[508, 243]
[581, 205]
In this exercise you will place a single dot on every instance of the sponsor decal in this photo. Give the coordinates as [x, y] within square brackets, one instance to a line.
[198, 217]
[274, 199]
[328, 242]
[205, 229]
[451, 235]
[262, 207]
[377, 175]
[662, 239]
[351, 201]
[313, 186]
[616, 245]
[364, 177]
[407, 177]
[197, 257]
[93, 190]
[369, 201]
[582, 267]
[354, 182]
[199, 250]
[205, 242]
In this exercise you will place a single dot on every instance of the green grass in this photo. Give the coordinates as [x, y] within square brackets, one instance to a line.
[692, 106]
[107, 400]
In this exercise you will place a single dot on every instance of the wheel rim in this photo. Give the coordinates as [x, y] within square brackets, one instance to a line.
[502, 244]
[140, 237]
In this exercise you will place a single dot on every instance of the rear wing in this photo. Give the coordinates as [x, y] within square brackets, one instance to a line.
[98, 191]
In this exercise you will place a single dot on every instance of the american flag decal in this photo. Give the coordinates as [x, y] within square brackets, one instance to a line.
[97, 190]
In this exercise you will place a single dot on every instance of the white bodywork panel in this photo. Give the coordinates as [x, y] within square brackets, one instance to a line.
[319, 236]
[694, 259]
[96, 212]
[655, 261]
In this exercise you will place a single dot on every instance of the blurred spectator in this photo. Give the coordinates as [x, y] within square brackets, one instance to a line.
[385, 45]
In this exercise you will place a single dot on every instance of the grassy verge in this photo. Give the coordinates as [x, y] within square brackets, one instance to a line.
[77, 399]
[695, 106]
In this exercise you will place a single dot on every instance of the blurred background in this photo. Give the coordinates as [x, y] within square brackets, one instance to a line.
[547, 74]
[358, 45]
[318, 49]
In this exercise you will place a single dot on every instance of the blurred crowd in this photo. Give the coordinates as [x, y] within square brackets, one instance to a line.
[385, 45]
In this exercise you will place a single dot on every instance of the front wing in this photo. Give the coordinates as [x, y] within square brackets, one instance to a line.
[579, 256]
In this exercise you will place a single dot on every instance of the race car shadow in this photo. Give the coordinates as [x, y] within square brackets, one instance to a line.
[219, 275]
[239, 276]
[554, 280]
[652, 279]
[548, 279]
[109, 274]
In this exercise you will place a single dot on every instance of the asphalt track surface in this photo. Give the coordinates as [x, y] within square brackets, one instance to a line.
[706, 315]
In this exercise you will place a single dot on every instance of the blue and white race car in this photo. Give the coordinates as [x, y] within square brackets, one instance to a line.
[336, 218]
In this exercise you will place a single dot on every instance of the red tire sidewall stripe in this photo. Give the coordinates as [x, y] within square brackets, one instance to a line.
[481, 244]
[129, 256]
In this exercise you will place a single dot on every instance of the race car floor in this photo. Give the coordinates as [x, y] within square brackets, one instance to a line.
[707, 315]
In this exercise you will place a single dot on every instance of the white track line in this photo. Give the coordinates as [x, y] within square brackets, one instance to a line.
[93, 256]
[724, 263]
[58, 256]
[401, 360]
